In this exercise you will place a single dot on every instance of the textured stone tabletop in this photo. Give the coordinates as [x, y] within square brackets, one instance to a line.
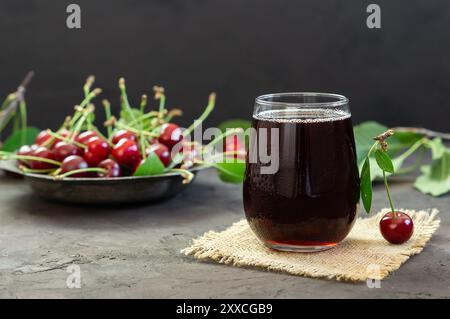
[133, 252]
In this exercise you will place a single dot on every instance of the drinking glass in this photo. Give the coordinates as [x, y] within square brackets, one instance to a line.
[301, 186]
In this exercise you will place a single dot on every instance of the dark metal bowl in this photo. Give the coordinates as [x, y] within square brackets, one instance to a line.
[118, 190]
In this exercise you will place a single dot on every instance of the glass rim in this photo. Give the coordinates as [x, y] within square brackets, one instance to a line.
[340, 100]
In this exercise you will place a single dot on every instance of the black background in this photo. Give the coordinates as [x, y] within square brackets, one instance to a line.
[398, 74]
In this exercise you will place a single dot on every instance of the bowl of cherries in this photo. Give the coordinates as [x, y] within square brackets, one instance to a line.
[138, 156]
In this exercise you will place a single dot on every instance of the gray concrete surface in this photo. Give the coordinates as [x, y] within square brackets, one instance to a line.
[133, 252]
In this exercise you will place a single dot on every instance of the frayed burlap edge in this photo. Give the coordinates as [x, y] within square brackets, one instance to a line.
[426, 223]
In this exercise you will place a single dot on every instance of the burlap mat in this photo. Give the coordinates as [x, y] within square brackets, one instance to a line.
[363, 255]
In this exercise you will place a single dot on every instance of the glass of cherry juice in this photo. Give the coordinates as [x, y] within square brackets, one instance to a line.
[310, 202]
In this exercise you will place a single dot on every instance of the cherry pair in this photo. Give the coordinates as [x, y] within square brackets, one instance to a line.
[44, 138]
[126, 150]
[96, 149]
[36, 151]
[76, 162]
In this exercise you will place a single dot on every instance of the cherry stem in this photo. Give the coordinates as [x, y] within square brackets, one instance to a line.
[85, 102]
[23, 120]
[162, 103]
[143, 117]
[30, 158]
[52, 139]
[56, 172]
[90, 96]
[388, 193]
[11, 97]
[413, 148]
[79, 125]
[206, 112]
[16, 123]
[142, 144]
[7, 110]
[136, 131]
[65, 139]
[125, 102]
[143, 103]
[187, 175]
[141, 122]
[9, 105]
[172, 113]
[83, 170]
[37, 171]
[107, 107]
[414, 166]
[87, 86]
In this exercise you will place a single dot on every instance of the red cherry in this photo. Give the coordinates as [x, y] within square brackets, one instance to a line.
[63, 149]
[42, 137]
[396, 228]
[123, 134]
[171, 134]
[126, 153]
[112, 168]
[162, 151]
[26, 150]
[97, 151]
[232, 144]
[42, 152]
[84, 137]
[74, 162]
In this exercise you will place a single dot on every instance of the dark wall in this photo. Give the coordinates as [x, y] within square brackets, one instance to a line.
[238, 48]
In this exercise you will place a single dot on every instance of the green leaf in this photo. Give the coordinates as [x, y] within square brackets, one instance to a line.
[384, 161]
[440, 169]
[232, 172]
[235, 123]
[151, 166]
[127, 115]
[437, 148]
[126, 118]
[14, 141]
[366, 186]
[435, 178]
[377, 173]
[405, 138]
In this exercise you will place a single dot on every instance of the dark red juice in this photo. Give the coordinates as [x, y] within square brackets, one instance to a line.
[312, 199]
